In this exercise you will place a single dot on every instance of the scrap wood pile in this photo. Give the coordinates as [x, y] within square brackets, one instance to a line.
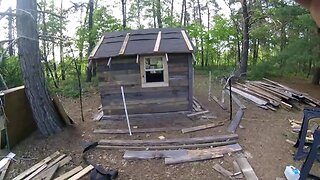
[296, 128]
[269, 94]
[47, 169]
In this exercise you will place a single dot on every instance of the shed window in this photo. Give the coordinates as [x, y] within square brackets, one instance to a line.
[154, 71]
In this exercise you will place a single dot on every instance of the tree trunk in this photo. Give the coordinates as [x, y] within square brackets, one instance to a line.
[208, 37]
[63, 71]
[245, 47]
[54, 63]
[124, 14]
[316, 76]
[139, 14]
[159, 18]
[201, 37]
[255, 51]
[171, 13]
[10, 19]
[182, 11]
[90, 39]
[154, 14]
[42, 108]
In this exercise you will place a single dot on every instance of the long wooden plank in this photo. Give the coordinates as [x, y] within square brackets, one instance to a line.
[36, 166]
[60, 163]
[202, 127]
[186, 39]
[185, 146]
[218, 102]
[69, 173]
[55, 161]
[250, 97]
[81, 173]
[246, 169]
[51, 172]
[197, 113]
[206, 139]
[237, 171]
[157, 45]
[235, 121]
[222, 171]
[4, 170]
[124, 44]
[204, 154]
[36, 172]
[236, 100]
[153, 154]
[142, 130]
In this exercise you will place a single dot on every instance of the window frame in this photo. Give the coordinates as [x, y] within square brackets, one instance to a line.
[143, 70]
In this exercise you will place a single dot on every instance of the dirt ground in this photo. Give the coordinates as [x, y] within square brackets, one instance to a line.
[262, 138]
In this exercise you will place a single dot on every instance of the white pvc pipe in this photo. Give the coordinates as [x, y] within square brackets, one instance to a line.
[125, 110]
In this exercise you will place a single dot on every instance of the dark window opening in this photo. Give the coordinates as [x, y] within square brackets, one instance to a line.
[154, 76]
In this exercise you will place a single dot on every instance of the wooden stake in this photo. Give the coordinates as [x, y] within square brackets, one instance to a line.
[125, 110]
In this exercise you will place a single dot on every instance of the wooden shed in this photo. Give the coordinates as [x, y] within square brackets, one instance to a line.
[155, 67]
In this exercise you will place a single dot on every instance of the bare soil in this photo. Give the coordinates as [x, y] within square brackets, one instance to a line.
[262, 139]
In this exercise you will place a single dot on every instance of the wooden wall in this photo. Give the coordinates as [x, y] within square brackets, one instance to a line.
[125, 71]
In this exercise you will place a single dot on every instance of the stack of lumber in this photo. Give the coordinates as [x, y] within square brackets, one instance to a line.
[176, 143]
[47, 168]
[269, 94]
[196, 106]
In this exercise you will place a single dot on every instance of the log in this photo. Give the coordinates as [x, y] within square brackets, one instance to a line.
[81, 173]
[126, 131]
[69, 173]
[246, 169]
[202, 127]
[214, 144]
[207, 139]
[235, 121]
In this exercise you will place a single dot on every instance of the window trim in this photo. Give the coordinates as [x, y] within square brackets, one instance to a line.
[143, 71]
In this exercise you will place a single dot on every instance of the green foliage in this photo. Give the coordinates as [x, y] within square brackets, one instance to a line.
[10, 69]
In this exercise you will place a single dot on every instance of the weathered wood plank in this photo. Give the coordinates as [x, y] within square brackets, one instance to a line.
[218, 102]
[206, 139]
[69, 173]
[36, 172]
[4, 170]
[124, 44]
[204, 154]
[236, 100]
[222, 171]
[157, 45]
[182, 146]
[197, 113]
[50, 173]
[237, 171]
[154, 154]
[36, 166]
[186, 39]
[202, 127]
[235, 121]
[246, 169]
[81, 173]
[250, 97]
[144, 130]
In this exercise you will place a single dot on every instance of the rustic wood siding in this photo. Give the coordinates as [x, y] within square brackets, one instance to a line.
[125, 71]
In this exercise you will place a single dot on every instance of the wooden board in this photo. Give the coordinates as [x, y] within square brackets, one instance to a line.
[235, 121]
[185, 146]
[51, 172]
[124, 45]
[222, 171]
[207, 139]
[138, 130]
[202, 127]
[36, 166]
[204, 154]
[246, 169]
[218, 102]
[197, 113]
[61, 163]
[36, 172]
[81, 173]
[250, 97]
[62, 113]
[236, 100]
[157, 45]
[69, 173]
[186, 39]
[4, 170]
[153, 154]
[237, 171]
